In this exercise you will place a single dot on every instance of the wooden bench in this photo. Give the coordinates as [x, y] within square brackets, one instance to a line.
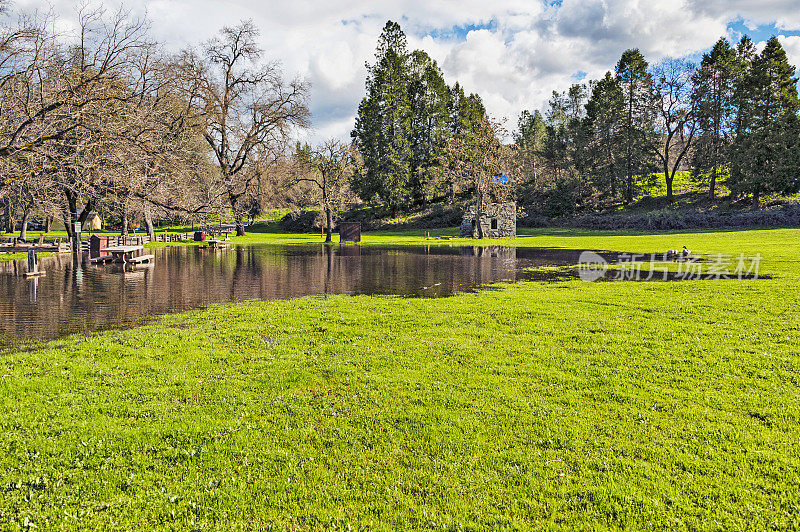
[139, 259]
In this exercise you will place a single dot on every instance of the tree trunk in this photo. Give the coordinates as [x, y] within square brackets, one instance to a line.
[23, 232]
[628, 196]
[148, 222]
[328, 223]
[68, 216]
[478, 211]
[668, 178]
[713, 184]
[239, 219]
[756, 200]
[124, 231]
[629, 190]
[48, 224]
[9, 218]
[71, 214]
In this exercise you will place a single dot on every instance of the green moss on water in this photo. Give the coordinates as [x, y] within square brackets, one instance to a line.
[561, 405]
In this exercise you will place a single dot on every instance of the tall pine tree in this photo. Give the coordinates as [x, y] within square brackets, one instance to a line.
[430, 102]
[764, 156]
[604, 119]
[530, 139]
[383, 125]
[405, 121]
[714, 88]
[637, 120]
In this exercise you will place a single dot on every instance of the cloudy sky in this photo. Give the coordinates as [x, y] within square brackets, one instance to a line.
[514, 53]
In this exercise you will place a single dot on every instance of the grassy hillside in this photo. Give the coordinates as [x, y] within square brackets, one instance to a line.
[689, 193]
[561, 406]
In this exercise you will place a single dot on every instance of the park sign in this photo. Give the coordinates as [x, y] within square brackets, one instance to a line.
[77, 228]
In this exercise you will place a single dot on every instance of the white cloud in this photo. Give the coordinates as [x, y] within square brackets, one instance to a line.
[785, 14]
[516, 54]
[792, 46]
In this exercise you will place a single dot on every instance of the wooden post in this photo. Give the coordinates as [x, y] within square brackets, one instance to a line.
[33, 265]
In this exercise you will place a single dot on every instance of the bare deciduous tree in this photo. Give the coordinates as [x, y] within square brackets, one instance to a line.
[676, 121]
[53, 83]
[246, 107]
[473, 158]
[329, 169]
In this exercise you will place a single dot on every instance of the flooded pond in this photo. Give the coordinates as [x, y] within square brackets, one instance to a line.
[77, 296]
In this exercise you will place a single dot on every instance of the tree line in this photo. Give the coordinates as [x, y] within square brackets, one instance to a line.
[735, 115]
[407, 124]
[104, 119]
[416, 140]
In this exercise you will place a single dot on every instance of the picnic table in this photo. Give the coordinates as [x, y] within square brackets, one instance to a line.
[219, 233]
[126, 254]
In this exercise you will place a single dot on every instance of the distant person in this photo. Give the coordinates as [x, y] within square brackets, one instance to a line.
[685, 252]
[672, 254]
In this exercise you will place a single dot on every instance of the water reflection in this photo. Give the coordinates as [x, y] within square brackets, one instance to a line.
[33, 286]
[76, 295]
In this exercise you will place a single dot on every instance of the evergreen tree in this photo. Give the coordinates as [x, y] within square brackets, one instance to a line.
[565, 145]
[603, 123]
[405, 121]
[576, 98]
[530, 138]
[637, 121]
[745, 54]
[466, 124]
[430, 102]
[466, 112]
[383, 125]
[714, 86]
[556, 148]
[764, 155]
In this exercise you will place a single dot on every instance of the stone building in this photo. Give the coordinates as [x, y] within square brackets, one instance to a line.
[497, 220]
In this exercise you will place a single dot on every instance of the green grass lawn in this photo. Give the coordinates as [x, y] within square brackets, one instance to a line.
[559, 406]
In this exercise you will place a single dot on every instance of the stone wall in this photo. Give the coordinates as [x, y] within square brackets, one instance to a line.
[497, 220]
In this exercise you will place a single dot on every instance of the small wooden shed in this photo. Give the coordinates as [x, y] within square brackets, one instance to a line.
[349, 231]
